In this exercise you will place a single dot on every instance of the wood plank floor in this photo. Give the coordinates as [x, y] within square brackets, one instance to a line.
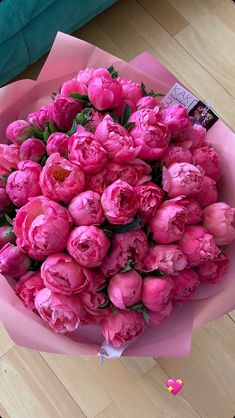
[195, 39]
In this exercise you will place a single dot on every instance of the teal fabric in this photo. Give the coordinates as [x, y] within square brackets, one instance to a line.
[28, 28]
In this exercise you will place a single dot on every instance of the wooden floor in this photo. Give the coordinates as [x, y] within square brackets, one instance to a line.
[195, 39]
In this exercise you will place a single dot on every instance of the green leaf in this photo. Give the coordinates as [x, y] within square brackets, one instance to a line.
[114, 116]
[155, 273]
[4, 178]
[46, 134]
[79, 97]
[36, 133]
[108, 233]
[126, 114]
[143, 89]
[103, 287]
[113, 72]
[145, 315]
[80, 119]
[128, 227]
[130, 265]
[43, 160]
[129, 125]
[83, 117]
[154, 94]
[105, 304]
[139, 307]
[73, 128]
[52, 127]
[8, 219]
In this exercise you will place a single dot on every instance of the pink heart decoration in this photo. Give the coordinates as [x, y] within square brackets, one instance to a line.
[174, 386]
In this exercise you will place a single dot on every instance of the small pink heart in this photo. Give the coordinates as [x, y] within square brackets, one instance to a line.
[174, 386]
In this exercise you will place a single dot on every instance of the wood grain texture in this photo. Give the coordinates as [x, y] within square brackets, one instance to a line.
[5, 341]
[209, 371]
[195, 40]
[167, 15]
[232, 315]
[30, 389]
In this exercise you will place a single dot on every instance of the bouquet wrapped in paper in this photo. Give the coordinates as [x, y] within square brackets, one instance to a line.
[116, 208]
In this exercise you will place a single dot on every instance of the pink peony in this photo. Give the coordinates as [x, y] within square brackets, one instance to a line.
[119, 202]
[177, 119]
[198, 245]
[194, 210]
[150, 133]
[61, 274]
[93, 299]
[105, 93]
[4, 199]
[149, 196]
[13, 263]
[219, 220]
[166, 258]
[61, 180]
[42, 227]
[116, 140]
[214, 270]
[122, 327]
[147, 102]
[186, 284]
[88, 245]
[86, 76]
[95, 118]
[121, 107]
[6, 235]
[58, 142]
[208, 193]
[27, 288]
[86, 209]
[124, 289]
[39, 118]
[156, 318]
[23, 183]
[168, 223]
[87, 152]
[18, 131]
[129, 248]
[73, 86]
[32, 149]
[177, 154]
[209, 160]
[63, 111]
[182, 179]
[92, 306]
[196, 138]
[157, 293]
[9, 158]
[134, 173]
[131, 90]
[63, 313]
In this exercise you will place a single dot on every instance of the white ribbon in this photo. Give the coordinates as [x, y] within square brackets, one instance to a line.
[107, 351]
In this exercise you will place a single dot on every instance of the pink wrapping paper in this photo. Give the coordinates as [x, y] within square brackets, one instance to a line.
[173, 338]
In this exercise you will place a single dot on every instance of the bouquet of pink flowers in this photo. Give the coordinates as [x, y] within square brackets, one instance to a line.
[109, 208]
